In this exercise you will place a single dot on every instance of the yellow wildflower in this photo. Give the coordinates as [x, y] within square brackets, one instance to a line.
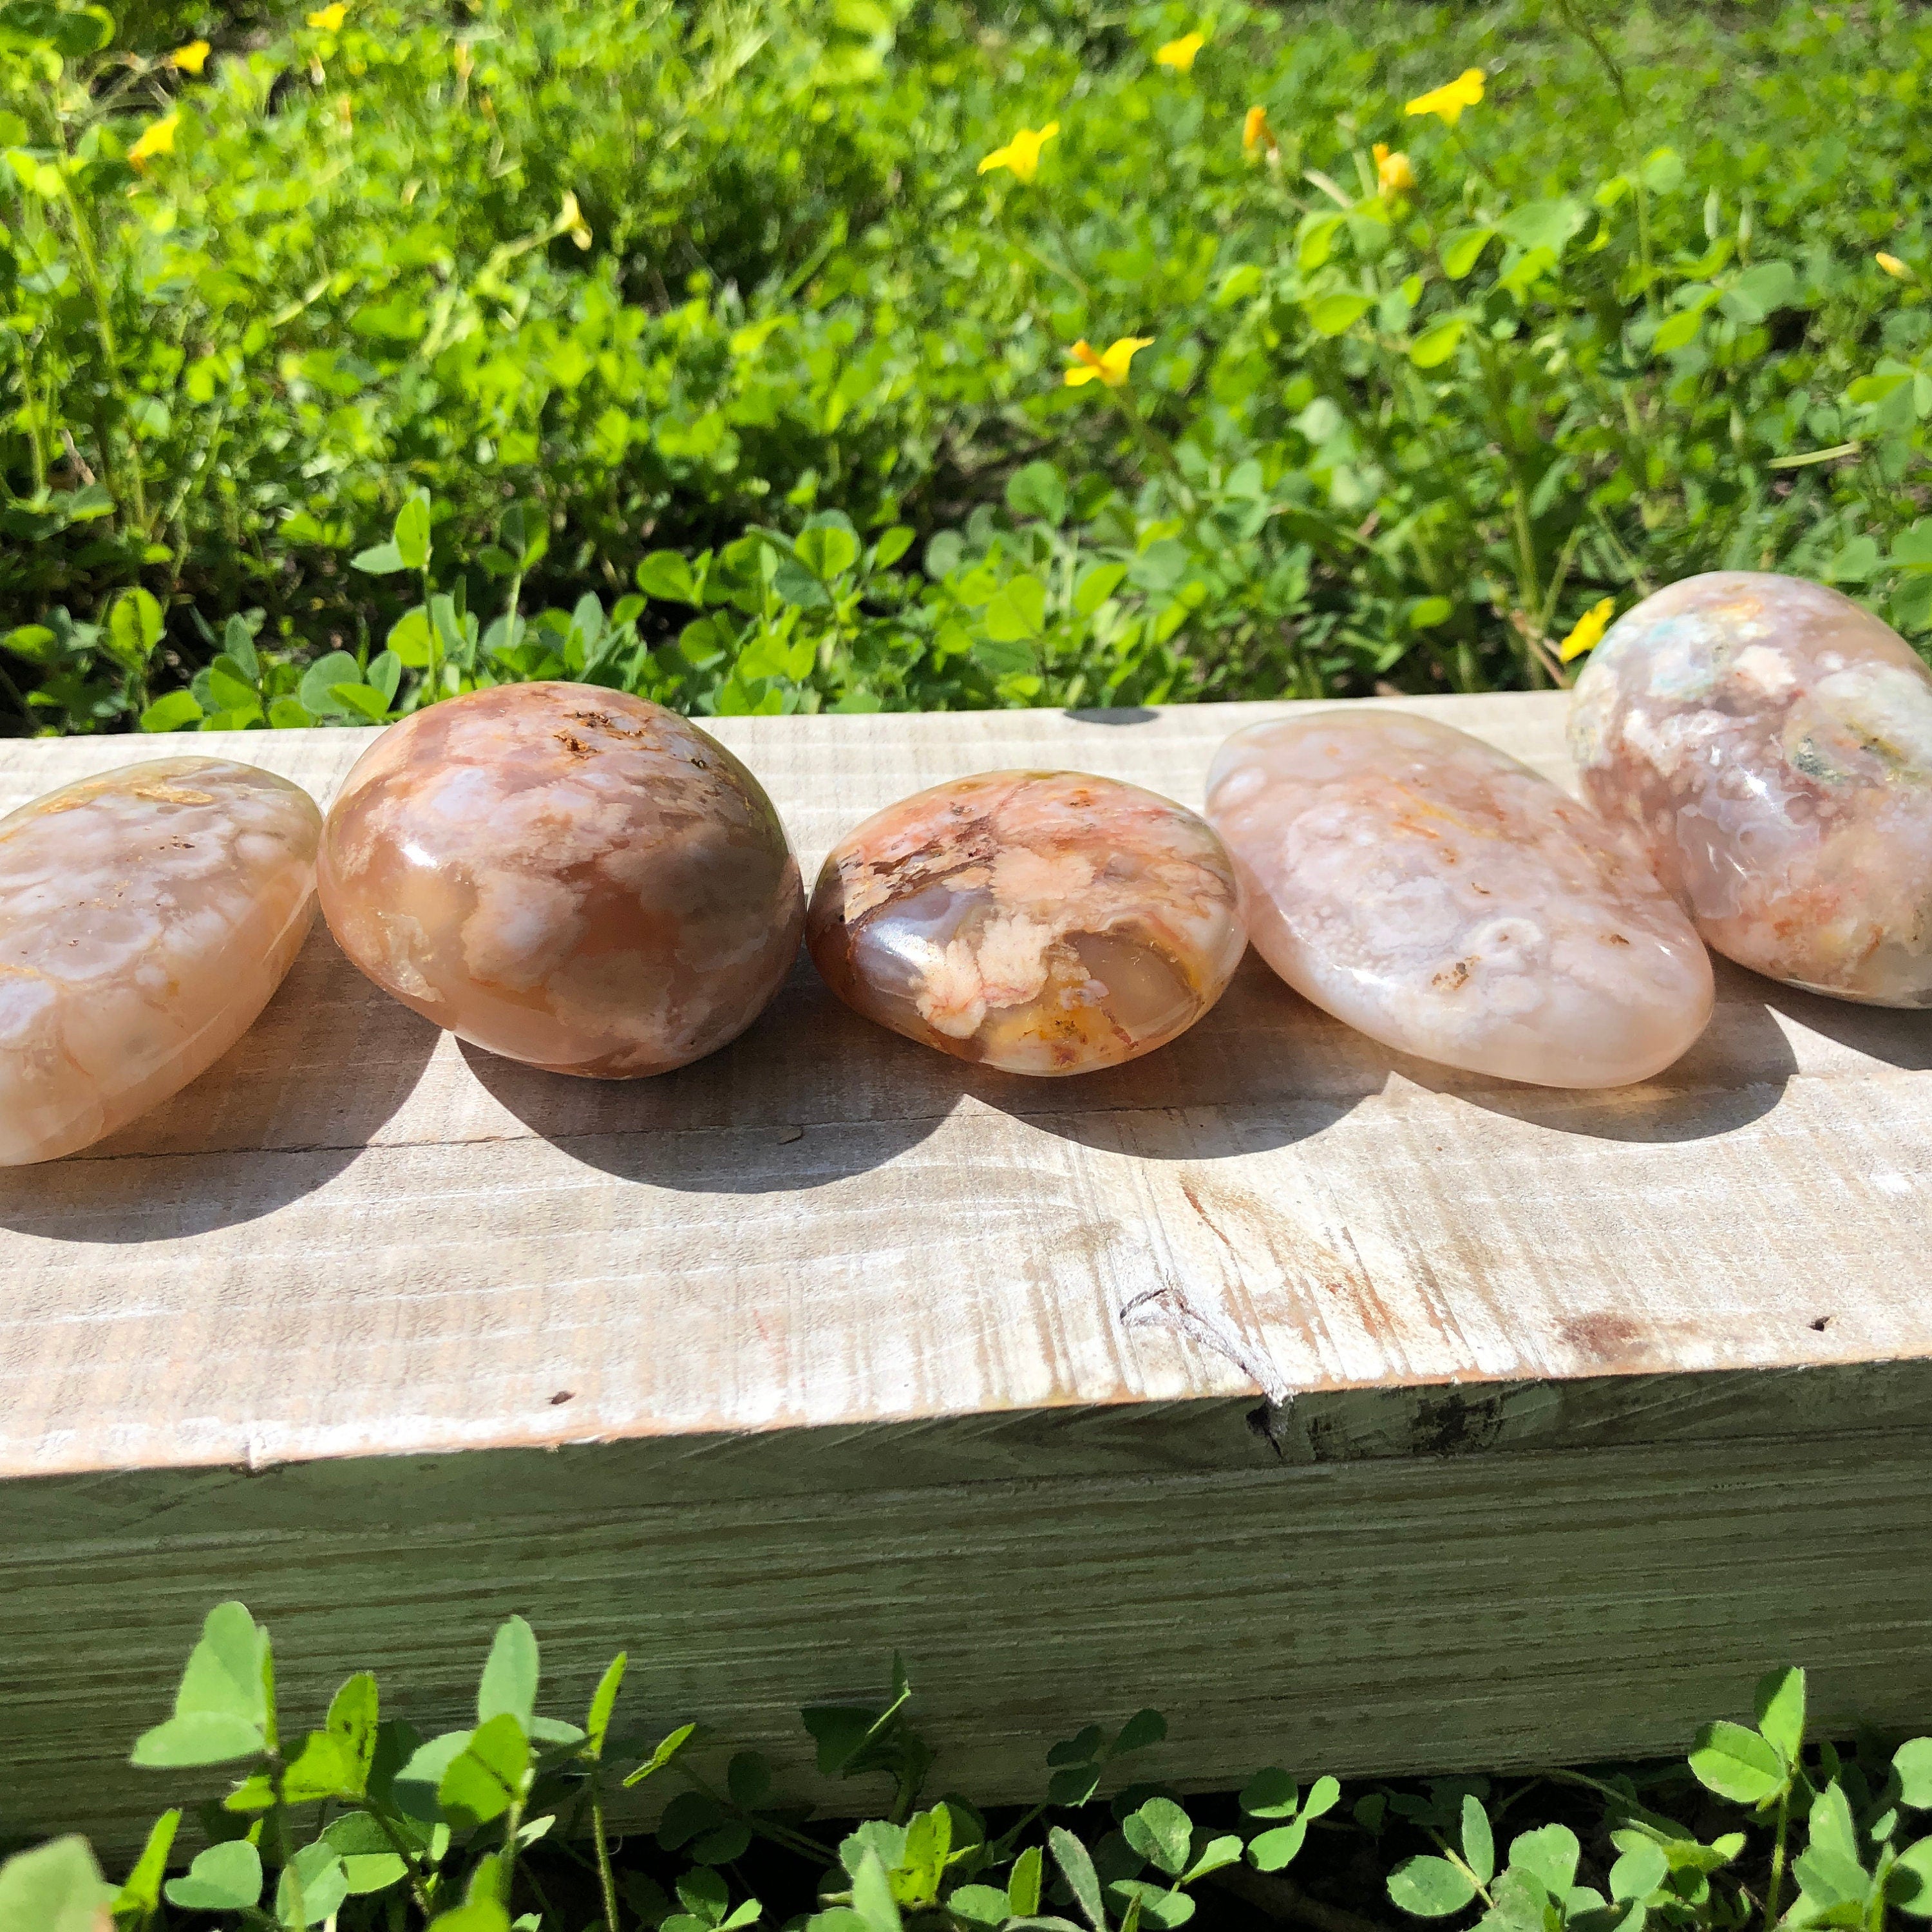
[1394, 176]
[1255, 133]
[1448, 101]
[329, 19]
[1108, 365]
[1589, 630]
[157, 138]
[1893, 267]
[1179, 54]
[570, 220]
[1021, 155]
[191, 58]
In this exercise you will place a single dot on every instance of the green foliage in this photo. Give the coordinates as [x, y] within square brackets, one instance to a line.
[369, 1827]
[377, 361]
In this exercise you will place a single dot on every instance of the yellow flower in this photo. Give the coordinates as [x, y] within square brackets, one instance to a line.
[330, 19]
[157, 138]
[191, 58]
[1021, 155]
[570, 220]
[1893, 267]
[1179, 54]
[1393, 174]
[1255, 133]
[1448, 102]
[1589, 630]
[1108, 365]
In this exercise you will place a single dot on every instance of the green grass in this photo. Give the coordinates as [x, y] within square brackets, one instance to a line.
[724, 376]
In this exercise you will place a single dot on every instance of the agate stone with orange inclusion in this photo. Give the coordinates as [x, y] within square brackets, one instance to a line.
[566, 875]
[1041, 922]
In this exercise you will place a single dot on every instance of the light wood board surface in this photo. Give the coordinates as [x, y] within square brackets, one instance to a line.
[1376, 1413]
[355, 1236]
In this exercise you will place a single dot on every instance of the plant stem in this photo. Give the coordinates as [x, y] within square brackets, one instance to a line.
[433, 673]
[1777, 1884]
[779, 1834]
[30, 416]
[1529, 580]
[1001, 1849]
[513, 1821]
[103, 319]
[1579, 24]
[606, 1878]
[13, 692]
[400, 1846]
[1474, 160]
[1153, 444]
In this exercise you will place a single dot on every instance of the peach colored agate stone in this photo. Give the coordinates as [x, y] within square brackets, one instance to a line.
[1771, 743]
[1043, 923]
[145, 918]
[566, 875]
[1427, 888]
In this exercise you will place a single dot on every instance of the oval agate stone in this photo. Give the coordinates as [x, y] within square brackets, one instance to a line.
[146, 917]
[1428, 889]
[1043, 923]
[566, 875]
[1771, 743]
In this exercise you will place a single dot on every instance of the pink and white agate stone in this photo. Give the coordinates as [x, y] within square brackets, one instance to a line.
[1428, 889]
[1042, 922]
[565, 875]
[145, 918]
[1771, 743]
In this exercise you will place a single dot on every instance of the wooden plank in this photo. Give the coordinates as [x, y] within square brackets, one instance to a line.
[356, 1237]
[1201, 1380]
[1384, 1615]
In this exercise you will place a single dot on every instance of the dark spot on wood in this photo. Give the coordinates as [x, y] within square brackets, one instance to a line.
[1262, 1422]
[1453, 1425]
[1818, 1325]
[1606, 1337]
[562, 1396]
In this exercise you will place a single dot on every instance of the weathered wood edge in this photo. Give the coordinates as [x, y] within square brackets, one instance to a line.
[1881, 1400]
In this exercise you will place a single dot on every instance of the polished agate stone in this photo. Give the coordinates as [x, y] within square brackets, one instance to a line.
[566, 875]
[1771, 743]
[1428, 889]
[146, 917]
[1041, 922]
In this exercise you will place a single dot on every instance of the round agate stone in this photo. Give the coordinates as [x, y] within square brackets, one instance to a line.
[1040, 922]
[1427, 888]
[565, 875]
[146, 917]
[1771, 742]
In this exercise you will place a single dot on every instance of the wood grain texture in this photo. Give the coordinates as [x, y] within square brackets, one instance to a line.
[1368, 1415]
[356, 1237]
[1378, 1615]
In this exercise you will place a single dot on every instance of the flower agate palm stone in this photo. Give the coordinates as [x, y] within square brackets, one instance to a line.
[565, 875]
[1042, 922]
[1771, 744]
[1429, 890]
[145, 918]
